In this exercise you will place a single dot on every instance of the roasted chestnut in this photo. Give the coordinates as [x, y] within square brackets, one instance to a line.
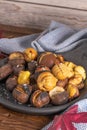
[24, 77]
[16, 55]
[59, 59]
[22, 93]
[5, 71]
[81, 85]
[15, 62]
[38, 70]
[18, 68]
[46, 81]
[73, 91]
[58, 96]
[16, 58]
[41, 68]
[32, 66]
[47, 59]
[62, 72]
[30, 54]
[40, 99]
[77, 79]
[80, 70]
[62, 83]
[11, 83]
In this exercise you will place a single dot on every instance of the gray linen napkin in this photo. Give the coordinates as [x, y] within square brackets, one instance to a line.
[56, 38]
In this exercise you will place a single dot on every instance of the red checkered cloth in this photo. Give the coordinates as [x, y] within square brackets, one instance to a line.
[75, 118]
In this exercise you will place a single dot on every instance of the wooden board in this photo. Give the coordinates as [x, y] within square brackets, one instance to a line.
[24, 14]
[73, 4]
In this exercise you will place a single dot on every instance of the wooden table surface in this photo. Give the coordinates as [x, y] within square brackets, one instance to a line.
[10, 120]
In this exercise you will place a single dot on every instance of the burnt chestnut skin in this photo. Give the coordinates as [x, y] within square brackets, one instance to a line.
[40, 99]
[5, 71]
[22, 93]
[11, 83]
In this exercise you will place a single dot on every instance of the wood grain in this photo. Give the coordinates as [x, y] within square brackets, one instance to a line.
[13, 31]
[73, 4]
[10, 120]
[39, 16]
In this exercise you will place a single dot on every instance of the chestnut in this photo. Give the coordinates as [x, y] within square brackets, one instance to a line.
[16, 62]
[11, 83]
[73, 91]
[5, 71]
[30, 54]
[80, 70]
[81, 85]
[22, 93]
[58, 96]
[46, 81]
[40, 99]
[62, 83]
[59, 59]
[41, 68]
[62, 71]
[32, 66]
[38, 70]
[16, 58]
[24, 77]
[47, 59]
[16, 55]
[18, 68]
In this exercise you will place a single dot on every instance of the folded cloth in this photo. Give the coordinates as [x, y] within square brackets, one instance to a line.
[74, 118]
[56, 38]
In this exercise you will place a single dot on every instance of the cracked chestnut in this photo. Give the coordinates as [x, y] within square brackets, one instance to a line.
[22, 93]
[40, 99]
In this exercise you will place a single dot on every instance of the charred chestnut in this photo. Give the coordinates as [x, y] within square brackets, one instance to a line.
[5, 70]
[22, 93]
[58, 96]
[62, 83]
[32, 66]
[16, 58]
[18, 68]
[40, 99]
[41, 68]
[16, 62]
[11, 83]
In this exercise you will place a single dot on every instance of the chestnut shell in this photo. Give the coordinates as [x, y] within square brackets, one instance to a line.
[22, 93]
[40, 99]
[60, 98]
[11, 83]
[47, 59]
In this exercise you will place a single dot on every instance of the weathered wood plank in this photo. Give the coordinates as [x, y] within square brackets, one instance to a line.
[39, 16]
[18, 30]
[10, 120]
[74, 4]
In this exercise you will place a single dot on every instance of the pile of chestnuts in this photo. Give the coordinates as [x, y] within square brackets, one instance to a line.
[42, 79]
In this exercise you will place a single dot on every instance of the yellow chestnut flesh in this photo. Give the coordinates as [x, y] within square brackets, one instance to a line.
[24, 77]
